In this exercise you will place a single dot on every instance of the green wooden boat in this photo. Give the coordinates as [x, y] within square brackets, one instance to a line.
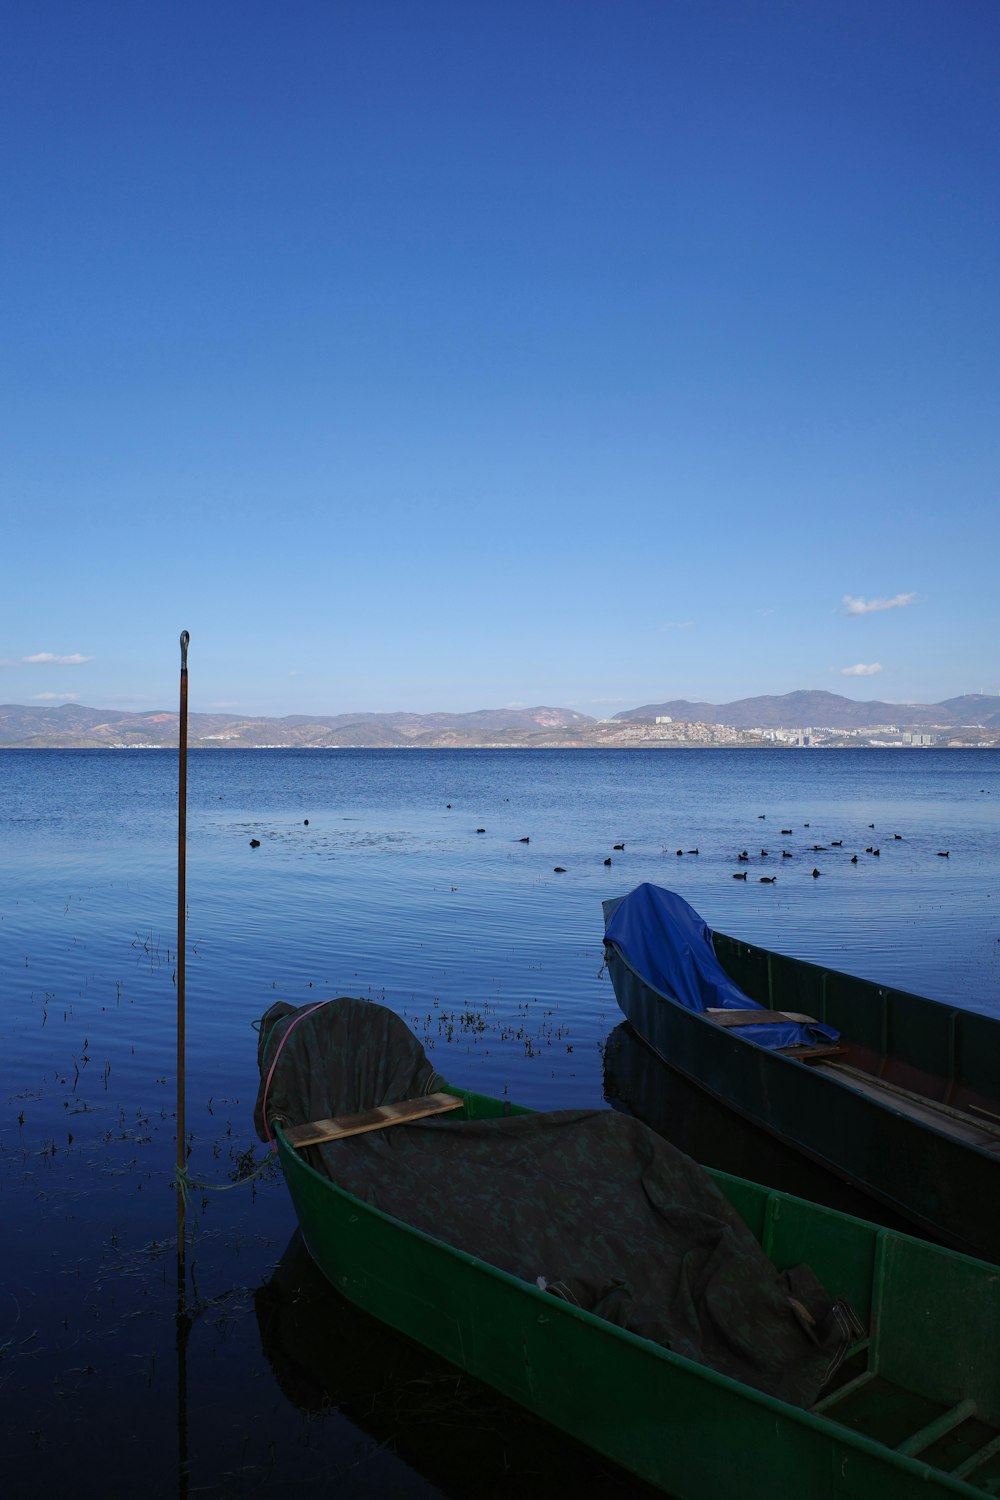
[904, 1103]
[913, 1411]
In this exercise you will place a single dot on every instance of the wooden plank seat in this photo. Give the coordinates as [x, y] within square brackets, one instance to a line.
[725, 1017]
[318, 1131]
[805, 1053]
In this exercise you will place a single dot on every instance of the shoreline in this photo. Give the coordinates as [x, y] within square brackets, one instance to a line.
[746, 742]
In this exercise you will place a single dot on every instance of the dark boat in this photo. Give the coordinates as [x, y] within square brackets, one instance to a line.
[907, 1406]
[638, 1081]
[898, 1094]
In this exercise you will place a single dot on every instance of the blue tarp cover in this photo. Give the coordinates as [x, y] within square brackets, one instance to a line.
[669, 946]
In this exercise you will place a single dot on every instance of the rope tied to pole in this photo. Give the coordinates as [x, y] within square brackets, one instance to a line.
[187, 1186]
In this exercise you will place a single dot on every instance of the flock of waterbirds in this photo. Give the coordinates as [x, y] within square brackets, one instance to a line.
[743, 857]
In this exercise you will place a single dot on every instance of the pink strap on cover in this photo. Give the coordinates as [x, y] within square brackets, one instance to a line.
[270, 1073]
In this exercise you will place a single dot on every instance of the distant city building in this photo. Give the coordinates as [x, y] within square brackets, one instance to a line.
[664, 719]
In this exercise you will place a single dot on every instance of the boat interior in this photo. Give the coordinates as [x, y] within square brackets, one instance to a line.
[927, 1387]
[933, 1062]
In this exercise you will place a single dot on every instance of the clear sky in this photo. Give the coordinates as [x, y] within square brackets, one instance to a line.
[447, 354]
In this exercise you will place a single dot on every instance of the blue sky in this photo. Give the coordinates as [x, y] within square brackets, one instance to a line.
[428, 355]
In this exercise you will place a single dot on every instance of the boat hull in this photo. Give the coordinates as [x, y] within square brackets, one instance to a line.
[942, 1185]
[675, 1424]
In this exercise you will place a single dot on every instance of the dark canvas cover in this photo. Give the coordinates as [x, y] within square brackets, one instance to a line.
[591, 1205]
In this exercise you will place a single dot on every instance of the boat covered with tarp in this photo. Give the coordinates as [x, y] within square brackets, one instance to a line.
[898, 1094]
[696, 1329]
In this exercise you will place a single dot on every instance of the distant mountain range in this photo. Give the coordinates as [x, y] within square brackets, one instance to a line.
[804, 709]
[72, 726]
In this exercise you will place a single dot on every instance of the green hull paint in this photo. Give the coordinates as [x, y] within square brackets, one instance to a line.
[945, 1186]
[935, 1319]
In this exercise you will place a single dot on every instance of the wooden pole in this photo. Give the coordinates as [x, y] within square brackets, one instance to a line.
[183, 1319]
[181, 934]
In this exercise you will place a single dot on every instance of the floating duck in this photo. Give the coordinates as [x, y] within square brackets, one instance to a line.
[480, 830]
[786, 830]
[255, 843]
[618, 846]
[768, 879]
[785, 854]
[608, 860]
[742, 875]
[944, 853]
[559, 869]
[854, 859]
[816, 874]
[525, 840]
[694, 851]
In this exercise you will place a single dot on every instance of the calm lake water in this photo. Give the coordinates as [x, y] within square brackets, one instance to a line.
[372, 879]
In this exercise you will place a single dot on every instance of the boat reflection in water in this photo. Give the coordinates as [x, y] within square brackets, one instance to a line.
[639, 1082]
[455, 1434]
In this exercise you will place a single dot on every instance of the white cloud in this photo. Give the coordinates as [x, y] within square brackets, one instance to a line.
[862, 669]
[50, 658]
[858, 606]
[53, 697]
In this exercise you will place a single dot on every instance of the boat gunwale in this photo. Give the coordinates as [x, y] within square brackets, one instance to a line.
[648, 1348]
[987, 1153]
